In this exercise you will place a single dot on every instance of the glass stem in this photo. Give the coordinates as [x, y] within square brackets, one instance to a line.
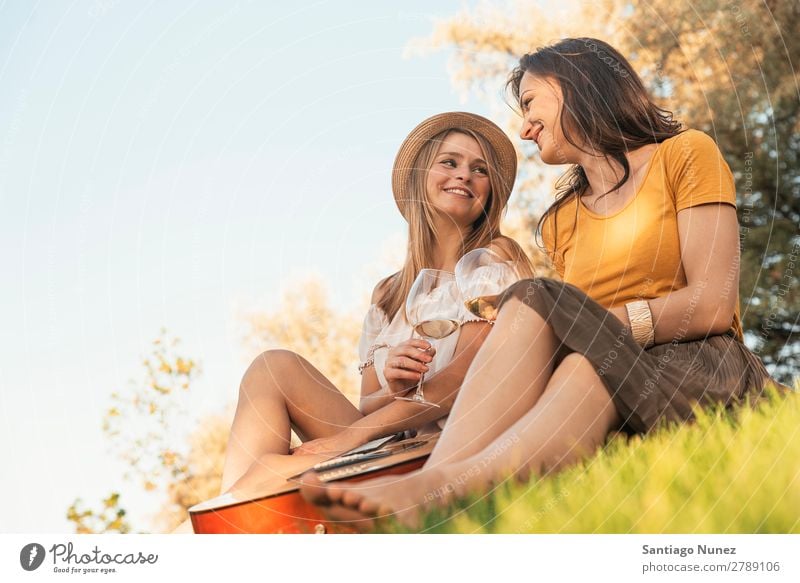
[420, 394]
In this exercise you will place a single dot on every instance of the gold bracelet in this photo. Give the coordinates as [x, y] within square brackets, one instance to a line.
[641, 319]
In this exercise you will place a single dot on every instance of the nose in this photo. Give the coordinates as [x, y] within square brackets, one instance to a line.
[462, 172]
[526, 132]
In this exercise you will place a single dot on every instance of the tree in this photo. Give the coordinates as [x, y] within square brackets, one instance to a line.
[110, 517]
[203, 476]
[725, 69]
[140, 421]
[142, 424]
[140, 428]
[305, 322]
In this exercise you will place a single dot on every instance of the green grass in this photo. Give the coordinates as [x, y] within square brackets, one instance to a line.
[732, 471]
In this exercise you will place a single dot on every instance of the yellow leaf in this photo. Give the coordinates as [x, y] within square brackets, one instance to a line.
[184, 366]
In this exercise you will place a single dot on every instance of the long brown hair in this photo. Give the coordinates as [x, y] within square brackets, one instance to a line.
[606, 106]
[422, 233]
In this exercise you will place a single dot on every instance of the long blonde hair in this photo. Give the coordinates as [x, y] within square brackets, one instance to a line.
[421, 224]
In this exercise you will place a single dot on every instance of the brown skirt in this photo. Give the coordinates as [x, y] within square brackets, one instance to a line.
[647, 386]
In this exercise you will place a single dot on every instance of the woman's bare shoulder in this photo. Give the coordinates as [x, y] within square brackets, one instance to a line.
[504, 247]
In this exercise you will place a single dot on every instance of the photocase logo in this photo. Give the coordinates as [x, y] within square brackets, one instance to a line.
[31, 556]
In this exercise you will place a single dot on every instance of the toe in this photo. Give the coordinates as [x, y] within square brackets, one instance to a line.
[370, 507]
[349, 518]
[313, 490]
[351, 498]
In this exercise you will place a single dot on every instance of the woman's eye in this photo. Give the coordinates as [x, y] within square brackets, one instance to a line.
[526, 105]
[450, 163]
[481, 170]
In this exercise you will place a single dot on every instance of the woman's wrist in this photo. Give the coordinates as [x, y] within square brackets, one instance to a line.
[622, 315]
[641, 322]
[355, 435]
[399, 389]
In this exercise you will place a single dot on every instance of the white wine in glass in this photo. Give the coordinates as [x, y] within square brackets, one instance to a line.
[483, 306]
[482, 275]
[436, 329]
[432, 309]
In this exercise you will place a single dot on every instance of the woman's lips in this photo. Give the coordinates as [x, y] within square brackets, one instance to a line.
[536, 134]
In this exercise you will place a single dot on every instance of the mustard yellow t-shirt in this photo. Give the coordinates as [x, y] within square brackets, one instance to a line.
[635, 253]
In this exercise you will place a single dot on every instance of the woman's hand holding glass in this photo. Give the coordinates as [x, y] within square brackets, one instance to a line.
[405, 365]
[432, 309]
[482, 275]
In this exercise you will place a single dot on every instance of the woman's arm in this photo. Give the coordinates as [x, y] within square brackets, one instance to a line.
[442, 389]
[405, 365]
[709, 239]
[373, 396]
[371, 391]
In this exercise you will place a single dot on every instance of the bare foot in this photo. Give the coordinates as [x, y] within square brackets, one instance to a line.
[404, 497]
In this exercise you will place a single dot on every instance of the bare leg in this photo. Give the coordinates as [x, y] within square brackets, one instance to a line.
[280, 391]
[506, 378]
[570, 420]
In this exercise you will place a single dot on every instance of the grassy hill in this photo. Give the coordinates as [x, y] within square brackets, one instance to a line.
[732, 471]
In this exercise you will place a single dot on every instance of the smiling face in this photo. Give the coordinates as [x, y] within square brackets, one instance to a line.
[541, 101]
[457, 183]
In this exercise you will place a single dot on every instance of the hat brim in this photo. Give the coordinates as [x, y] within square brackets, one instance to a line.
[504, 150]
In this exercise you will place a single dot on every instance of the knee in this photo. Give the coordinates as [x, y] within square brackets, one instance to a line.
[574, 362]
[533, 285]
[270, 364]
[529, 291]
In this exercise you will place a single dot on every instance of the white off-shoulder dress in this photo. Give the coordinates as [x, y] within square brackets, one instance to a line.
[378, 331]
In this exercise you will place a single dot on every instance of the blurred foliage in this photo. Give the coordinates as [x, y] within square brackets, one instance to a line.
[732, 471]
[203, 476]
[304, 321]
[518, 226]
[139, 426]
[724, 68]
[109, 518]
[140, 423]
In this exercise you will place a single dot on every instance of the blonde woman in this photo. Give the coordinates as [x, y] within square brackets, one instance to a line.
[452, 179]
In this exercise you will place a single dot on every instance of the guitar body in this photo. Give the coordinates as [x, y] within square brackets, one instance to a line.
[283, 510]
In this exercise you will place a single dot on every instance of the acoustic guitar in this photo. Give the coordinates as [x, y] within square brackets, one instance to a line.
[281, 509]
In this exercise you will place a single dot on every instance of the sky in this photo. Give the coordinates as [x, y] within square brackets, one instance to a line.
[168, 165]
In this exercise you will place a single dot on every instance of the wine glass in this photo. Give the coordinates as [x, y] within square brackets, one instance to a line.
[432, 309]
[482, 275]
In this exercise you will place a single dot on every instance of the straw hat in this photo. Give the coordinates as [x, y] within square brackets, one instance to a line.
[504, 151]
